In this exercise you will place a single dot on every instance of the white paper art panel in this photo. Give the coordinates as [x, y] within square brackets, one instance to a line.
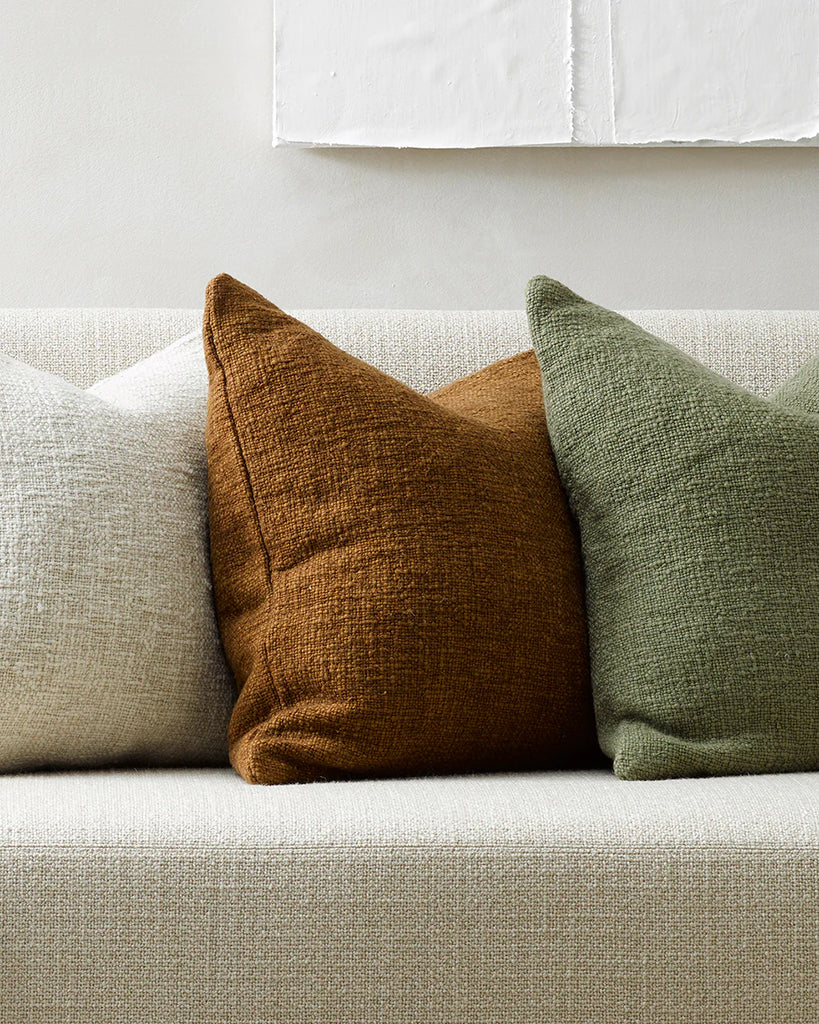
[722, 70]
[423, 73]
[469, 73]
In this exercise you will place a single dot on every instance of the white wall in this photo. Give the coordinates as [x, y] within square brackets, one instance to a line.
[135, 163]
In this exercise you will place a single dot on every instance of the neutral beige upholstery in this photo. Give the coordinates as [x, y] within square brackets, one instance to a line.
[178, 897]
[188, 897]
[426, 349]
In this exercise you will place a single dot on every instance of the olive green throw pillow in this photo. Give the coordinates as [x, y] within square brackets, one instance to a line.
[698, 509]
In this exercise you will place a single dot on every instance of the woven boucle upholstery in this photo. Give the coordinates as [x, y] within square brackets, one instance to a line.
[758, 349]
[189, 897]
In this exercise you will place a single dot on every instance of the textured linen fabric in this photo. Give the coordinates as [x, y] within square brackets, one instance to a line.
[110, 647]
[188, 897]
[397, 579]
[698, 506]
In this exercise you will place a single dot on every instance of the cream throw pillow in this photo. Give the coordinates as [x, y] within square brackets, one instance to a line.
[110, 651]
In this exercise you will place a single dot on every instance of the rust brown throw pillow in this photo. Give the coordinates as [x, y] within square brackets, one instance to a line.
[397, 580]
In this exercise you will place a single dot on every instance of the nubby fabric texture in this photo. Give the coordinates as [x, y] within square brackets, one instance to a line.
[397, 579]
[757, 348]
[698, 508]
[525, 898]
[110, 651]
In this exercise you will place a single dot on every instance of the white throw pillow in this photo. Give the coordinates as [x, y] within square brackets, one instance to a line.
[109, 650]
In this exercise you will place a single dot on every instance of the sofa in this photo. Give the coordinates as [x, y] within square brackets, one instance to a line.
[186, 896]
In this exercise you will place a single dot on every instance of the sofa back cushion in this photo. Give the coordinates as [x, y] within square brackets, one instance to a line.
[426, 349]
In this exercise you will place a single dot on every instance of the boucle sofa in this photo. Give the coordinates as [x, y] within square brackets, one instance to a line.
[189, 896]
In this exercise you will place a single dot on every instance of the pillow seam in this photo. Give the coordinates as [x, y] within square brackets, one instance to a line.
[256, 521]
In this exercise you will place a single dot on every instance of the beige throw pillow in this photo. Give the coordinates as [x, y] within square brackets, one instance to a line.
[110, 653]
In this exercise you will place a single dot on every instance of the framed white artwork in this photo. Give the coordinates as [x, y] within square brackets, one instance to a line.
[473, 73]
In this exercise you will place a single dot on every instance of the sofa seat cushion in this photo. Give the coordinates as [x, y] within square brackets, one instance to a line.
[179, 895]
